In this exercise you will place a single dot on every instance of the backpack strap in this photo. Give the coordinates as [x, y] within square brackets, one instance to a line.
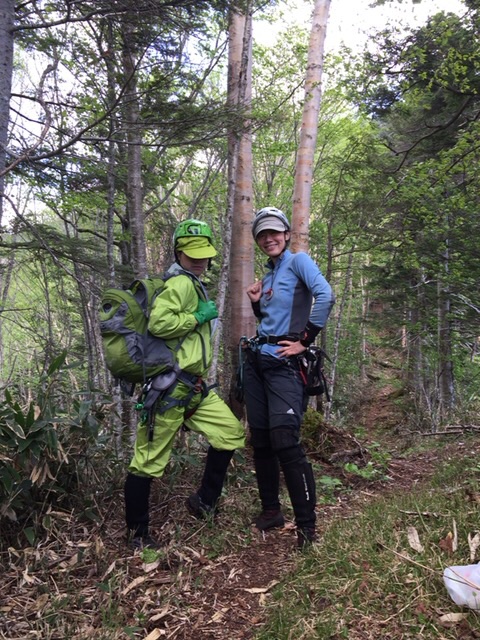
[156, 396]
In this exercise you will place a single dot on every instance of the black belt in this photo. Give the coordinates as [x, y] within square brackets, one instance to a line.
[274, 339]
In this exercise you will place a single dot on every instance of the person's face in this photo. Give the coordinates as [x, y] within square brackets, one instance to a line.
[195, 265]
[272, 243]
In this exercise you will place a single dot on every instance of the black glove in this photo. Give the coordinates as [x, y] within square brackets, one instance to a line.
[308, 335]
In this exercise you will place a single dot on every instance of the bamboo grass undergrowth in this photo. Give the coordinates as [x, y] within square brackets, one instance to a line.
[364, 580]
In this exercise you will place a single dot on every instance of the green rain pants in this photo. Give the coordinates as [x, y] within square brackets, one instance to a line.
[212, 418]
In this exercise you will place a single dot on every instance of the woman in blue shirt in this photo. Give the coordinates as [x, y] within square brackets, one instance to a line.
[292, 303]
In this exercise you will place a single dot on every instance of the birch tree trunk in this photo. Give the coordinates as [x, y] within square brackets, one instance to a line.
[446, 382]
[7, 10]
[238, 265]
[445, 360]
[241, 273]
[415, 355]
[363, 330]
[419, 369]
[339, 317]
[309, 128]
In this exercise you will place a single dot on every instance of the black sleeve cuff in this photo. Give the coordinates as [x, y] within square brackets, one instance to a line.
[309, 334]
[256, 309]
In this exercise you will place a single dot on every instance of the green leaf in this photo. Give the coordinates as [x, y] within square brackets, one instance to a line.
[17, 430]
[18, 416]
[57, 362]
[84, 409]
[38, 426]
[32, 446]
[30, 417]
[30, 535]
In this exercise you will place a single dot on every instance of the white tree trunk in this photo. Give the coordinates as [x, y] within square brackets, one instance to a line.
[339, 315]
[238, 264]
[446, 381]
[7, 10]
[309, 128]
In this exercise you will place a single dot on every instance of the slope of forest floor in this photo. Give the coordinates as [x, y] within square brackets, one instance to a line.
[214, 579]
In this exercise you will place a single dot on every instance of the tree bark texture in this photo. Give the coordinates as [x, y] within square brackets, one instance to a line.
[7, 9]
[445, 349]
[134, 185]
[339, 318]
[239, 251]
[242, 249]
[309, 128]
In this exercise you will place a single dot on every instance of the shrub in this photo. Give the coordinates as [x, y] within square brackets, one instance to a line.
[47, 449]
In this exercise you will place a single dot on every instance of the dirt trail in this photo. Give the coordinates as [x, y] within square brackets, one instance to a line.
[186, 596]
[235, 588]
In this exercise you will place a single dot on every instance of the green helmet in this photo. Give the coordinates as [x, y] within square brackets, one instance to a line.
[192, 229]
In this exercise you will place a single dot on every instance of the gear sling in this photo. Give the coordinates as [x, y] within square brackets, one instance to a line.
[157, 397]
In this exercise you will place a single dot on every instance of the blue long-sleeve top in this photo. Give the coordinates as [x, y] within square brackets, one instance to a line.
[294, 292]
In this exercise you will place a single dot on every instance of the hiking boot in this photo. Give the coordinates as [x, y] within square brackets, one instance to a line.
[138, 543]
[305, 537]
[199, 509]
[269, 519]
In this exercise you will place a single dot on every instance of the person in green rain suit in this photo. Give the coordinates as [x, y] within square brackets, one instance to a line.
[183, 315]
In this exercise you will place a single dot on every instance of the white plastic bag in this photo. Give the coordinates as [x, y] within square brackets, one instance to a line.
[463, 585]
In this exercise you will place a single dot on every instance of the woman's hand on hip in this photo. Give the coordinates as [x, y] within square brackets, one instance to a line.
[288, 348]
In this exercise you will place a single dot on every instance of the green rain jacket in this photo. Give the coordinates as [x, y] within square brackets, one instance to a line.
[172, 319]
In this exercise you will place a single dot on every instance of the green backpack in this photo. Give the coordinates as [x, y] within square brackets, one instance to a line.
[132, 353]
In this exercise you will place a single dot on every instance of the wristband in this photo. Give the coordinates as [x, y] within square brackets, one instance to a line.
[308, 335]
[256, 309]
